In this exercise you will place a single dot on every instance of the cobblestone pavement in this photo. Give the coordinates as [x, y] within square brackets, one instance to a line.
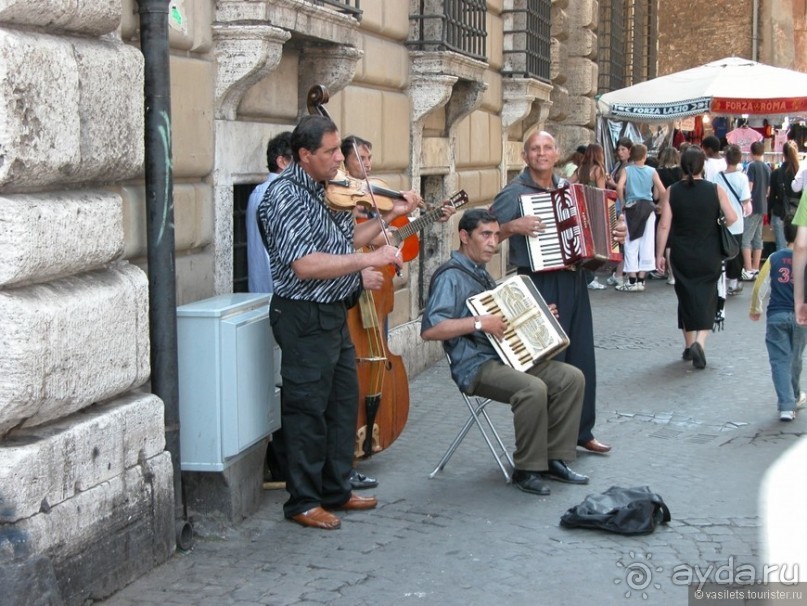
[701, 439]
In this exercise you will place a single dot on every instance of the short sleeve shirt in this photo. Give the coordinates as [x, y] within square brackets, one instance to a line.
[297, 222]
[447, 301]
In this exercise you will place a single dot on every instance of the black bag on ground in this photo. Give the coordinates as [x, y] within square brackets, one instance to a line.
[635, 510]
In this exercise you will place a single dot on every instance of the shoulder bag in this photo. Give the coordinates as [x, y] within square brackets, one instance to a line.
[729, 247]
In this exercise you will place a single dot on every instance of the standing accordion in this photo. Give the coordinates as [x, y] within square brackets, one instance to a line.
[533, 333]
[579, 222]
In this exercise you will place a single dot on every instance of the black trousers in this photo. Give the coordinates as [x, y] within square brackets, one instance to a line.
[568, 290]
[318, 401]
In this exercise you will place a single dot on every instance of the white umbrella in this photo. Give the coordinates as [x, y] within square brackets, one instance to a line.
[732, 86]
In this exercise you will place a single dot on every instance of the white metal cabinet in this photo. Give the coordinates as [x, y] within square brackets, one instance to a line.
[228, 389]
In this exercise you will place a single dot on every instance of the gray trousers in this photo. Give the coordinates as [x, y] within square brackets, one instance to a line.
[546, 402]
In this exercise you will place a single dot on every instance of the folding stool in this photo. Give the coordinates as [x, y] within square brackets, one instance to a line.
[478, 416]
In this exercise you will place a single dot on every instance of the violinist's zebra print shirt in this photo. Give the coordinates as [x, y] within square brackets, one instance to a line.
[296, 222]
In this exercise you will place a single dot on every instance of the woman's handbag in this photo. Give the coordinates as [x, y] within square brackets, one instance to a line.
[729, 248]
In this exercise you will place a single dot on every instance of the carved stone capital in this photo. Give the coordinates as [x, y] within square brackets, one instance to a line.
[538, 114]
[440, 78]
[521, 98]
[519, 95]
[467, 97]
[245, 54]
[332, 66]
[427, 93]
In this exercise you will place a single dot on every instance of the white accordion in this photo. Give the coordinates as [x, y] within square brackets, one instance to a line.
[533, 334]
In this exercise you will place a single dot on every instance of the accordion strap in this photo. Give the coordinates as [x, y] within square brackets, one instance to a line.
[451, 264]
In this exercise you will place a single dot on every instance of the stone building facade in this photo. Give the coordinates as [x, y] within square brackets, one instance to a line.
[699, 31]
[86, 493]
[86, 486]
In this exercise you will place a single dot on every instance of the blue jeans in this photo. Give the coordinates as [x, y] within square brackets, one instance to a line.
[778, 225]
[785, 341]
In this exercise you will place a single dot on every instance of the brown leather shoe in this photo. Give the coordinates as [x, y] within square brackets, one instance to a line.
[357, 502]
[594, 445]
[317, 517]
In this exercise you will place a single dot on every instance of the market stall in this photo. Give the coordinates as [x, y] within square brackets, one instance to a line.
[729, 87]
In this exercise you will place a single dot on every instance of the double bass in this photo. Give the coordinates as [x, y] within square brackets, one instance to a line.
[383, 405]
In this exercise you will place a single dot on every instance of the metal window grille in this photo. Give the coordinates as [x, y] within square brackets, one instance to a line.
[641, 40]
[611, 46]
[350, 7]
[455, 25]
[531, 40]
[240, 269]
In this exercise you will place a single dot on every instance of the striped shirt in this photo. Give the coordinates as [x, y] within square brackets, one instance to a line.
[298, 223]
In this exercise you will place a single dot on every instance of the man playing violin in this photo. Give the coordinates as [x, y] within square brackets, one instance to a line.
[315, 267]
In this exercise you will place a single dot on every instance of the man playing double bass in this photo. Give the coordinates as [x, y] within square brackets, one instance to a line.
[358, 153]
[315, 266]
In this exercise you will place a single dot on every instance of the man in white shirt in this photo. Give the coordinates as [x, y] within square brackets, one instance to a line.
[715, 164]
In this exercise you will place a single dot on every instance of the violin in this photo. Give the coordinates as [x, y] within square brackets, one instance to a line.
[344, 192]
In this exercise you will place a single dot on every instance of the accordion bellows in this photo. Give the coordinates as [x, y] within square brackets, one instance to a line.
[578, 227]
[533, 334]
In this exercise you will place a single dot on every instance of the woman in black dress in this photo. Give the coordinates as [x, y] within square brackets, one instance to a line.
[691, 208]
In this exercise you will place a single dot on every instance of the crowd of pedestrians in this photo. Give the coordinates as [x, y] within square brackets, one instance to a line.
[672, 205]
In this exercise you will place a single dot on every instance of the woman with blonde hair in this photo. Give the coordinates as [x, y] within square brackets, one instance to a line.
[568, 167]
[592, 172]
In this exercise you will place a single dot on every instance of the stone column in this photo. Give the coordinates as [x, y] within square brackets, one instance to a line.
[572, 118]
[75, 331]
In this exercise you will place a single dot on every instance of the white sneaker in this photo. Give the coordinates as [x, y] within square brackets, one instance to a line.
[613, 280]
[628, 287]
[787, 415]
[736, 289]
[596, 285]
[671, 281]
[802, 401]
[748, 275]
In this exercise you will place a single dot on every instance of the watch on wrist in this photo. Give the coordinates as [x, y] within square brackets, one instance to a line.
[477, 323]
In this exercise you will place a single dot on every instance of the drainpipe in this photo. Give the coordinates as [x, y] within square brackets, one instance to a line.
[755, 31]
[160, 234]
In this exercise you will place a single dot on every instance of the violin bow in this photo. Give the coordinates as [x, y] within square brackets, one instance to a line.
[372, 195]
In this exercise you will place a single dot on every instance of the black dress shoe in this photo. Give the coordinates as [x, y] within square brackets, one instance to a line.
[359, 481]
[698, 356]
[530, 481]
[558, 470]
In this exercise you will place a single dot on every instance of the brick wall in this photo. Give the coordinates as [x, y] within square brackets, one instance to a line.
[699, 31]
